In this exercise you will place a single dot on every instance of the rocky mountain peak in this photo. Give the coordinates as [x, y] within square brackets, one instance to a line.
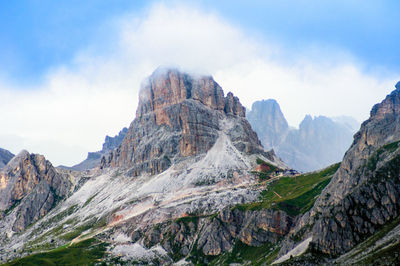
[388, 107]
[268, 120]
[180, 115]
[30, 184]
[166, 87]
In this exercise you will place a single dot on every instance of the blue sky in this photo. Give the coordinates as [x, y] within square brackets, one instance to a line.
[70, 71]
[36, 35]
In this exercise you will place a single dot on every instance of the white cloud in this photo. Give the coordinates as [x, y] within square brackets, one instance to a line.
[96, 94]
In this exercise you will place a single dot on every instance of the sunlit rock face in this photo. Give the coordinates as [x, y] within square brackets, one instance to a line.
[30, 186]
[179, 115]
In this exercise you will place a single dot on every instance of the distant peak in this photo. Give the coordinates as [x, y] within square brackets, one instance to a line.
[398, 85]
[23, 153]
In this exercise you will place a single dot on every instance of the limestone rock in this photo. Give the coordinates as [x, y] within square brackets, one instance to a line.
[30, 186]
[180, 116]
[364, 193]
[214, 236]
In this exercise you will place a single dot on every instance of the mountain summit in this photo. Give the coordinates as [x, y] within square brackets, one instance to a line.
[180, 116]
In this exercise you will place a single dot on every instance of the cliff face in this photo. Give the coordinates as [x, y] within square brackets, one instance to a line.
[217, 235]
[179, 116]
[29, 188]
[5, 157]
[364, 194]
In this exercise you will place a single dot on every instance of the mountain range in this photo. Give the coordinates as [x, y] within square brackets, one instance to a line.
[191, 184]
[317, 143]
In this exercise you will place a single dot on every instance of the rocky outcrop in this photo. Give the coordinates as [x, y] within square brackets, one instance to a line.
[364, 194]
[180, 116]
[93, 159]
[29, 187]
[5, 157]
[214, 236]
[319, 141]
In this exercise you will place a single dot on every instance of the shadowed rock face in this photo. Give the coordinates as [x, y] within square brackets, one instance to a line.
[364, 194]
[5, 157]
[179, 116]
[30, 185]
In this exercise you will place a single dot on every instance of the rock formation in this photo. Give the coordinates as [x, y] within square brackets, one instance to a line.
[5, 157]
[318, 142]
[179, 116]
[364, 194]
[29, 187]
[267, 119]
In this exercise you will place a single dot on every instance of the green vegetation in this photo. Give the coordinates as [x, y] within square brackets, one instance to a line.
[268, 170]
[92, 224]
[304, 202]
[376, 156]
[188, 219]
[242, 253]
[87, 252]
[296, 194]
[391, 147]
[369, 242]
[9, 210]
[387, 256]
[89, 200]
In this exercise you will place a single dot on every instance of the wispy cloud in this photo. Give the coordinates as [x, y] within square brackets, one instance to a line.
[96, 93]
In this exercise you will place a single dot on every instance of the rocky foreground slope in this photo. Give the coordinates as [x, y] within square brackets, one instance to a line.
[190, 184]
[363, 199]
[29, 188]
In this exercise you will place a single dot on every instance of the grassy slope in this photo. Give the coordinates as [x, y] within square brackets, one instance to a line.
[84, 253]
[297, 194]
